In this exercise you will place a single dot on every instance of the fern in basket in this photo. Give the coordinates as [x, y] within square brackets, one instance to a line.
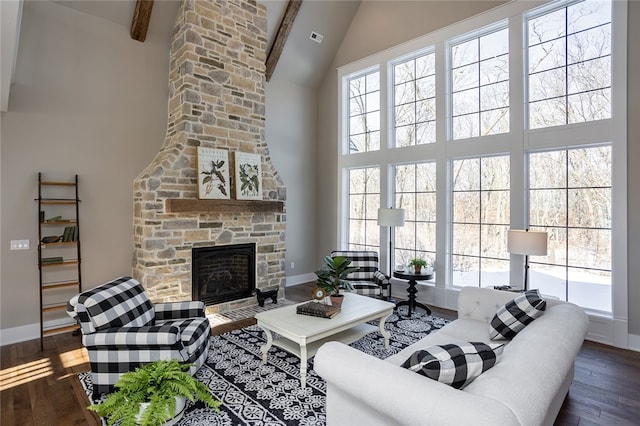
[156, 383]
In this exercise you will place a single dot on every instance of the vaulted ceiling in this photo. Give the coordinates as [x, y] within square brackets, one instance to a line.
[303, 60]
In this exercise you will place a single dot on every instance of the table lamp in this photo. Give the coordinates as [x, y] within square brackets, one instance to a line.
[391, 218]
[522, 241]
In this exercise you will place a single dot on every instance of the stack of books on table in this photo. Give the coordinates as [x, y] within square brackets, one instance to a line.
[316, 309]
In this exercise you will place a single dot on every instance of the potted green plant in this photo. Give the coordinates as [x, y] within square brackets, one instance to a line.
[332, 276]
[418, 263]
[153, 394]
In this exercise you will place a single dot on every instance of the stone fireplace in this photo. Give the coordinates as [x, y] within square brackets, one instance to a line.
[216, 100]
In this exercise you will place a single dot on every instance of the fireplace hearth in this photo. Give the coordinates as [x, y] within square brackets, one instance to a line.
[223, 273]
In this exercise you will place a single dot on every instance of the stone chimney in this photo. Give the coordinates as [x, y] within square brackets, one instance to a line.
[216, 100]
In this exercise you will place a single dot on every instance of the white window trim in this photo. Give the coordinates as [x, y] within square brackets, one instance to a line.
[609, 329]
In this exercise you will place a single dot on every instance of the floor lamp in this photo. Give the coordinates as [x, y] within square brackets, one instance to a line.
[521, 241]
[390, 218]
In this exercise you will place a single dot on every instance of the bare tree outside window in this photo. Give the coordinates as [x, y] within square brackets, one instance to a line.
[570, 198]
[364, 201]
[364, 113]
[415, 101]
[569, 56]
[480, 85]
[480, 203]
[415, 188]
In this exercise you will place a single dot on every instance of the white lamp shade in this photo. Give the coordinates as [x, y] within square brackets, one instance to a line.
[391, 217]
[527, 242]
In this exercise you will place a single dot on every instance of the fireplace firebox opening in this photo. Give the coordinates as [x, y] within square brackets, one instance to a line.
[223, 273]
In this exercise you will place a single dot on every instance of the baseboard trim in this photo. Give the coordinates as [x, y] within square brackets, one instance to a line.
[300, 279]
[23, 333]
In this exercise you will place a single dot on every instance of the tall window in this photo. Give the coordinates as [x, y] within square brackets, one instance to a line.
[415, 101]
[416, 193]
[480, 85]
[480, 221]
[364, 113]
[570, 198]
[364, 201]
[512, 110]
[569, 59]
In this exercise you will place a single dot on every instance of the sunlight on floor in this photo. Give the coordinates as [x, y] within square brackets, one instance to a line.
[217, 319]
[25, 373]
[72, 358]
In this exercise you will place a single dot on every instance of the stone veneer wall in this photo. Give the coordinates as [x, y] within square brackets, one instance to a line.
[216, 99]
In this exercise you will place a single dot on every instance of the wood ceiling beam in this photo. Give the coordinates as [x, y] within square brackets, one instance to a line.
[141, 17]
[281, 36]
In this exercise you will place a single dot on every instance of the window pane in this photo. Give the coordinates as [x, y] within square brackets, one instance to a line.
[425, 66]
[426, 132]
[589, 106]
[588, 14]
[466, 174]
[552, 112]
[494, 272]
[465, 271]
[547, 207]
[590, 248]
[480, 83]
[590, 289]
[414, 101]
[415, 193]
[547, 27]
[494, 44]
[590, 167]
[464, 53]
[591, 44]
[405, 136]
[364, 201]
[547, 56]
[576, 214]
[547, 84]
[466, 126]
[494, 70]
[465, 77]
[364, 111]
[465, 207]
[548, 169]
[548, 279]
[576, 54]
[466, 102]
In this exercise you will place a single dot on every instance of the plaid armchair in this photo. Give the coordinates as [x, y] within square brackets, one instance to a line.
[368, 280]
[122, 330]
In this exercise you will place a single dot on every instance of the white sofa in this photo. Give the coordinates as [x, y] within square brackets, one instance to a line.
[526, 386]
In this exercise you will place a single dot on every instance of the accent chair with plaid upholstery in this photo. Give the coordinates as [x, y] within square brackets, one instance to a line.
[368, 280]
[122, 330]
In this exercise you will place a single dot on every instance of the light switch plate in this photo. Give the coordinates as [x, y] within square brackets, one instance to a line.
[19, 244]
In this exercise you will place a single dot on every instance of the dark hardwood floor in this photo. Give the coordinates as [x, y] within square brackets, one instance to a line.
[41, 388]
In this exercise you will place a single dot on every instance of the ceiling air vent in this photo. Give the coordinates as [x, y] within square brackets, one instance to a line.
[316, 37]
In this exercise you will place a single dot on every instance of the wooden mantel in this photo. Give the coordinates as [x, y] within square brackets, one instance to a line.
[181, 205]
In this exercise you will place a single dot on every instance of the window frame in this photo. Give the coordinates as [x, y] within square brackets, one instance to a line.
[517, 143]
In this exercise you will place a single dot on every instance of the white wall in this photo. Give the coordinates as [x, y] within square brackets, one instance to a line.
[290, 134]
[87, 99]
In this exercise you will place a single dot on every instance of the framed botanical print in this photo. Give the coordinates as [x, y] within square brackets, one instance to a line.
[248, 176]
[213, 174]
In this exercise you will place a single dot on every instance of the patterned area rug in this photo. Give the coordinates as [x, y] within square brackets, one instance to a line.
[270, 394]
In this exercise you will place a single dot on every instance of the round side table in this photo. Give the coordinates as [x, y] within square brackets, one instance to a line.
[412, 304]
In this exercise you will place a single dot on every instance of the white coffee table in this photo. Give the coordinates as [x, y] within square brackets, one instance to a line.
[302, 335]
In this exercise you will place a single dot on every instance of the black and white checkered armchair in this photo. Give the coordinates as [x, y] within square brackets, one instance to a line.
[122, 330]
[368, 280]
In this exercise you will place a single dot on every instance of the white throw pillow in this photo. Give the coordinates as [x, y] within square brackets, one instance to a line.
[457, 364]
[514, 316]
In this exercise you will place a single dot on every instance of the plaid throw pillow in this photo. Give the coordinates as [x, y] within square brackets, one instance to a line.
[455, 365]
[514, 316]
